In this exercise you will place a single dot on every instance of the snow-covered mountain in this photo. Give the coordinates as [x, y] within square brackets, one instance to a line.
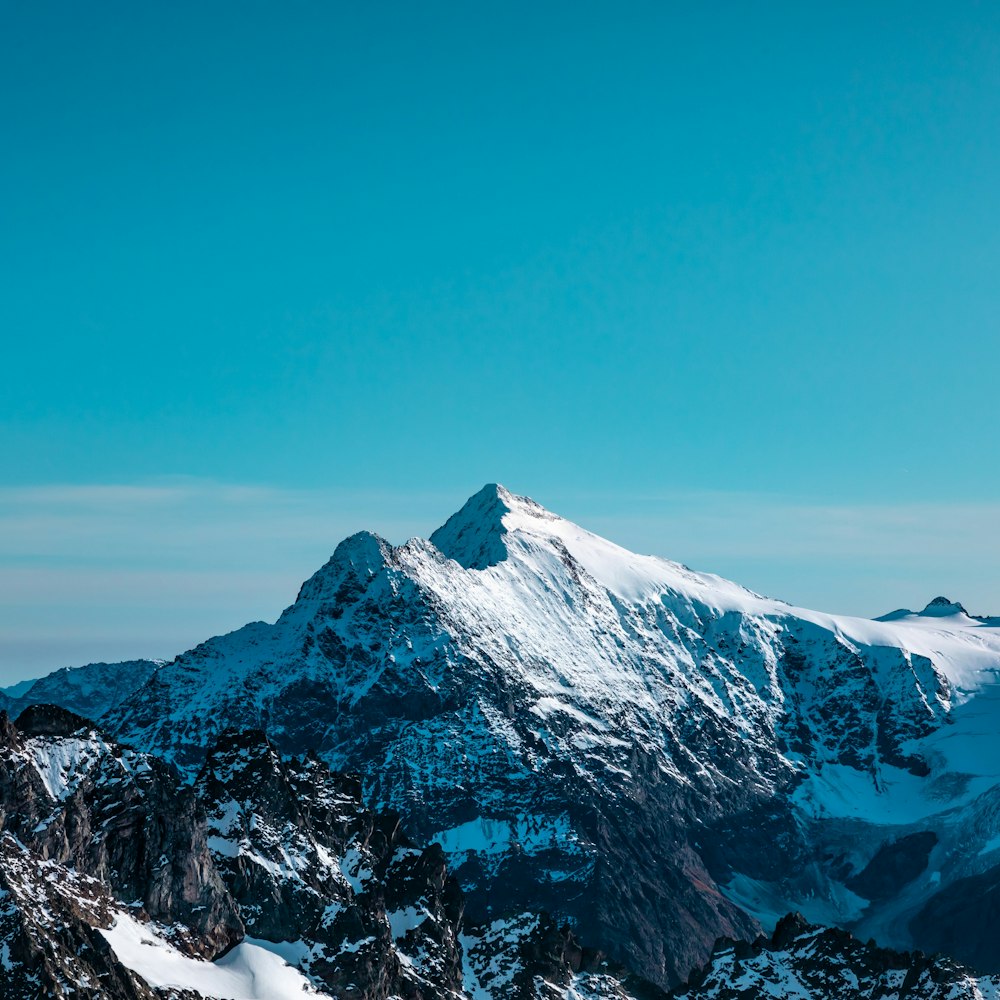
[90, 690]
[659, 755]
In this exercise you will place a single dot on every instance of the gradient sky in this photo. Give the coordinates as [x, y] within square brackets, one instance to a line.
[719, 281]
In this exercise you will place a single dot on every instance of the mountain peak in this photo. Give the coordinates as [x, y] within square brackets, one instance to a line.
[362, 555]
[474, 536]
[942, 607]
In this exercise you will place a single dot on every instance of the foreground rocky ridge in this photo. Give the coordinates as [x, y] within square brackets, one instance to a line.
[659, 756]
[265, 878]
[803, 962]
[268, 879]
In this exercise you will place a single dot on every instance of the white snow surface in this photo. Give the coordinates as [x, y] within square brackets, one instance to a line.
[967, 650]
[525, 591]
[250, 971]
[63, 762]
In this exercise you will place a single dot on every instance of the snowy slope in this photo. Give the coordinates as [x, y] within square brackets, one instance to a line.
[658, 754]
[250, 971]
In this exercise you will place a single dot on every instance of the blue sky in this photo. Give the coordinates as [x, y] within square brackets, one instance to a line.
[719, 281]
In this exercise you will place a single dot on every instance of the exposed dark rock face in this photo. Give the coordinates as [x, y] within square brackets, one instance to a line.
[806, 962]
[963, 920]
[894, 866]
[49, 937]
[305, 861]
[260, 849]
[51, 720]
[71, 796]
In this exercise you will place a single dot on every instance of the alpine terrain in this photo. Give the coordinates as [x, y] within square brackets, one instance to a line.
[515, 760]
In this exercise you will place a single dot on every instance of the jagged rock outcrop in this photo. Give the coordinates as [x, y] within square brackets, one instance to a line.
[803, 962]
[71, 796]
[306, 862]
[267, 878]
[50, 940]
